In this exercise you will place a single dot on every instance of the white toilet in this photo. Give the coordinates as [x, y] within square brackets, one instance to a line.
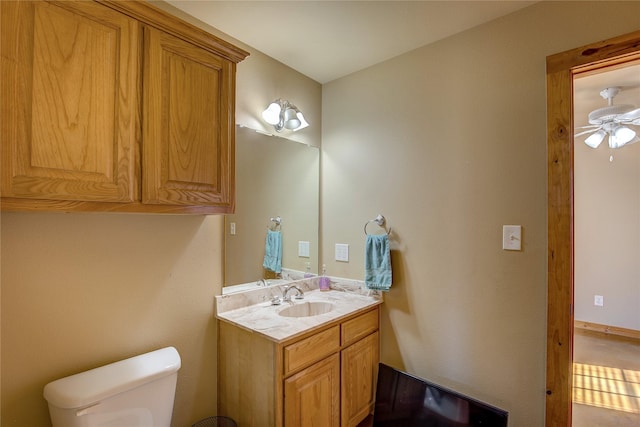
[135, 392]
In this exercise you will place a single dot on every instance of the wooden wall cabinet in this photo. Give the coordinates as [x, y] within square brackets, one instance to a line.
[114, 106]
[326, 377]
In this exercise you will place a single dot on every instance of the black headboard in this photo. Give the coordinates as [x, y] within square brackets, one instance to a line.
[405, 400]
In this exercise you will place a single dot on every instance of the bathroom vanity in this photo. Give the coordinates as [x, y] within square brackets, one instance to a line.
[308, 362]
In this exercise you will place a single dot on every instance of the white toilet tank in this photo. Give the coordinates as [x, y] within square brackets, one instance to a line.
[135, 392]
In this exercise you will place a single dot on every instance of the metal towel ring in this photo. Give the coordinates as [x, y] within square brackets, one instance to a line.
[380, 220]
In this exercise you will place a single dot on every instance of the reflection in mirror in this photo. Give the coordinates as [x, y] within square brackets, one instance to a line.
[274, 177]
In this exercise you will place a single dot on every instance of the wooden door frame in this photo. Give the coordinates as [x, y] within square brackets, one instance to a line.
[561, 69]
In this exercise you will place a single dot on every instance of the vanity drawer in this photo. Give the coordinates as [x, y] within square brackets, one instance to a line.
[311, 349]
[360, 327]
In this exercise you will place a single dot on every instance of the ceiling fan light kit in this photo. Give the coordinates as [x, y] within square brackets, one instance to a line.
[612, 120]
[595, 139]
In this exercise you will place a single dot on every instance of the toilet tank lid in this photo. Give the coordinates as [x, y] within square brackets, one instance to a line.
[86, 388]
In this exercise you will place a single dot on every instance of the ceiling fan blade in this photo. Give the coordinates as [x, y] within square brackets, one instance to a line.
[585, 132]
[588, 126]
[628, 117]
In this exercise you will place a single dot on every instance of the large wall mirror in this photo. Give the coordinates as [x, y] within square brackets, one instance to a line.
[274, 177]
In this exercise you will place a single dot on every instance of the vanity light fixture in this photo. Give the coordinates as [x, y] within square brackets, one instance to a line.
[284, 115]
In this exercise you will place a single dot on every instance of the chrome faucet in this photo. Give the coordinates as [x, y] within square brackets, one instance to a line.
[262, 282]
[285, 293]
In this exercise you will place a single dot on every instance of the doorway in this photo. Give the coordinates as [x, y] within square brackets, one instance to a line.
[606, 338]
[561, 69]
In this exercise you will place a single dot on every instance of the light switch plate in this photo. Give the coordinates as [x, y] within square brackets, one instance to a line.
[232, 229]
[342, 252]
[512, 237]
[303, 249]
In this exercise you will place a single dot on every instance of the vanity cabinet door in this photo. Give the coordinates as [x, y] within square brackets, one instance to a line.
[359, 370]
[312, 396]
[188, 154]
[69, 101]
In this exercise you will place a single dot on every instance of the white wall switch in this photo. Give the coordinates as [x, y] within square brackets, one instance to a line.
[512, 237]
[342, 252]
[598, 300]
[303, 249]
[232, 228]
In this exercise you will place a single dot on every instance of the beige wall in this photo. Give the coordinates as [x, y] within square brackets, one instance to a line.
[81, 290]
[262, 80]
[449, 143]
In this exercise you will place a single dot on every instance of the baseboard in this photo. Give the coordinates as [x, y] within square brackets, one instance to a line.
[607, 330]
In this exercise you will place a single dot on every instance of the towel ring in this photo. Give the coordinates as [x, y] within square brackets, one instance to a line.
[380, 220]
[277, 222]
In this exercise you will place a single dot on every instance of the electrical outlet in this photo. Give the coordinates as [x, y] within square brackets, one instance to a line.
[598, 301]
[342, 252]
[303, 249]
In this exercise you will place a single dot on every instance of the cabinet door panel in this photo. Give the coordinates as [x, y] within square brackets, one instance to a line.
[311, 397]
[188, 149]
[359, 370]
[70, 75]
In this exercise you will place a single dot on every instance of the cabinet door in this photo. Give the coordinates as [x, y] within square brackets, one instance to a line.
[312, 396]
[188, 124]
[69, 98]
[359, 370]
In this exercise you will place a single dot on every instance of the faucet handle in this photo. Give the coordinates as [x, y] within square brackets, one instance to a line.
[276, 300]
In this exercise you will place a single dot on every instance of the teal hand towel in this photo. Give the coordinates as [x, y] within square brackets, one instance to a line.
[377, 262]
[273, 251]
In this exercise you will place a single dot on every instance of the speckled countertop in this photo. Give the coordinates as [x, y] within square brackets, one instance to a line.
[252, 310]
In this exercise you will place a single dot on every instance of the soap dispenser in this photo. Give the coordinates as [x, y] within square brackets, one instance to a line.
[325, 283]
[308, 272]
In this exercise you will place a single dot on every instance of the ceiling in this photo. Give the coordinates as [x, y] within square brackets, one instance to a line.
[325, 40]
[328, 39]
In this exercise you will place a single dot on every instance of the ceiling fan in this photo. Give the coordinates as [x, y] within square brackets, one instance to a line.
[616, 121]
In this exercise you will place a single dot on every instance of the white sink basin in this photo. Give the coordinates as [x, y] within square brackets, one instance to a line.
[306, 309]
